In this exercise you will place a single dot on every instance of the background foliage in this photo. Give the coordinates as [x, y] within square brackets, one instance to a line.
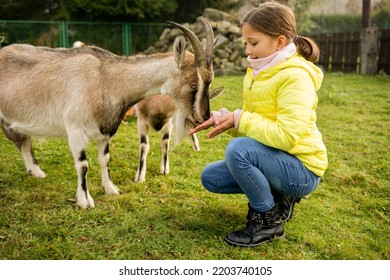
[109, 10]
[159, 11]
[132, 10]
[340, 23]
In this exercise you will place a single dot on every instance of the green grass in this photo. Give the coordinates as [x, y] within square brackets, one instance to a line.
[174, 217]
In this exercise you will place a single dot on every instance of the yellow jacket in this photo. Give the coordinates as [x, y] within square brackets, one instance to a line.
[279, 111]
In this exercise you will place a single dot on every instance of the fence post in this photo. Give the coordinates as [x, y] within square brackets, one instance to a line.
[369, 51]
[64, 42]
[126, 38]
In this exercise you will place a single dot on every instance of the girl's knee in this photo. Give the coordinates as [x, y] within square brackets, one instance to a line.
[236, 145]
[237, 148]
[206, 184]
[206, 179]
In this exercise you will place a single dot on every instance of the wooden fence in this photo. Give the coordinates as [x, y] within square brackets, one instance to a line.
[341, 51]
[384, 51]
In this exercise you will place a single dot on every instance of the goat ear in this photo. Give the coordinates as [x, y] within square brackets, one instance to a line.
[216, 92]
[179, 49]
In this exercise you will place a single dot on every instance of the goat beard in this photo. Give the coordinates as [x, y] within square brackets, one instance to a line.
[181, 127]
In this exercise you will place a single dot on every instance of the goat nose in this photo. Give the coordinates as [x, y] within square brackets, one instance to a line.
[200, 117]
[206, 116]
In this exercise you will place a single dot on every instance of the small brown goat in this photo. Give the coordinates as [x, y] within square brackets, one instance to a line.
[154, 112]
[158, 112]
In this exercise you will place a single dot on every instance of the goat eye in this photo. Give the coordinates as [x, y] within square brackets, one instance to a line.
[193, 85]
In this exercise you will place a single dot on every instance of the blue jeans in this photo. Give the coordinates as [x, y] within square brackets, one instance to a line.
[255, 170]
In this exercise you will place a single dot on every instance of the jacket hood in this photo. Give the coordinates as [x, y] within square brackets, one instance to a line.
[296, 61]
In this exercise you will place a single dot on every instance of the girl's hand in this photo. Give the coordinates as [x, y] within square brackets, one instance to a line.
[224, 123]
[205, 125]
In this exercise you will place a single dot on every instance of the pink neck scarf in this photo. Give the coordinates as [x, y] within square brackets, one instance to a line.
[261, 64]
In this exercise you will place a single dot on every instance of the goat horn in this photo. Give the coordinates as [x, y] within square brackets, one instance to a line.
[200, 56]
[209, 41]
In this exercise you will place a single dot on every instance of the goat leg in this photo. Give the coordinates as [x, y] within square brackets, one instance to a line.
[77, 144]
[24, 145]
[166, 136]
[195, 142]
[143, 153]
[104, 157]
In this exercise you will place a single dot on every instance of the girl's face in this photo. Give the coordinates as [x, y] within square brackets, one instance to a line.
[258, 44]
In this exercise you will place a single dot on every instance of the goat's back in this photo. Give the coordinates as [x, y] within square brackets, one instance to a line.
[42, 88]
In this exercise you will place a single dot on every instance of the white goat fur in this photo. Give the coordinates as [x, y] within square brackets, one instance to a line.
[83, 94]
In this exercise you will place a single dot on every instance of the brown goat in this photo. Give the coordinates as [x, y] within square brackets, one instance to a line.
[158, 112]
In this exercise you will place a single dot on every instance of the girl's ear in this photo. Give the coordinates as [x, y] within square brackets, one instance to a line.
[282, 42]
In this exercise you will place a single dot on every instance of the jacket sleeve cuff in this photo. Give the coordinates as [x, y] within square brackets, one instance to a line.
[219, 114]
[236, 114]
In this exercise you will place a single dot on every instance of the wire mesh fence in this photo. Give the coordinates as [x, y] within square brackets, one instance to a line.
[122, 38]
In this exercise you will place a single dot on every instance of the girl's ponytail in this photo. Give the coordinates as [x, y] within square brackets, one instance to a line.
[307, 48]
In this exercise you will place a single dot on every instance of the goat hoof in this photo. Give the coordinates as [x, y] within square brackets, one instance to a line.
[37, 172]
[164, 171]
[139, 179]
[111, 189]
[85, 202]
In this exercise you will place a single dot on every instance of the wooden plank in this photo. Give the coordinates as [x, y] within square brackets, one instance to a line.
[337, 51]
[384, 51]
[323, 42]
[351, 52]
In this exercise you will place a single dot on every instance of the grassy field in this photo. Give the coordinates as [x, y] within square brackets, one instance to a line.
[174, 217]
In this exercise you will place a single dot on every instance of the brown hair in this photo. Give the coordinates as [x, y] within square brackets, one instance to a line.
[275, 19]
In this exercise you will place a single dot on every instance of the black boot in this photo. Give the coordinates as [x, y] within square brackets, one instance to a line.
[261, 227]
[286, 205]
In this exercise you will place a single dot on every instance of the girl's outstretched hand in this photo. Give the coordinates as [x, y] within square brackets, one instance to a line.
[224, 123]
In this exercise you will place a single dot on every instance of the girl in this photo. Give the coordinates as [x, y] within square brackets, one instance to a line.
[278, 155]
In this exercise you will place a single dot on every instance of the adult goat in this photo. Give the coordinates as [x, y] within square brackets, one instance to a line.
[83, 93]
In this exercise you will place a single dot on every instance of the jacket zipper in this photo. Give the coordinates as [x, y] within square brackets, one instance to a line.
[250, 87]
